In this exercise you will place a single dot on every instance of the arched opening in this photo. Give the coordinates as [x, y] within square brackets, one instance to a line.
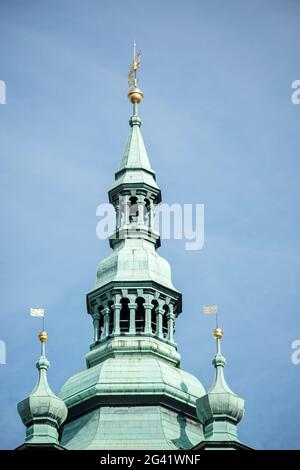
[153, 316]
[140, 315]
[165, 321]
[124, 316]
[133, 210]
[111, 318]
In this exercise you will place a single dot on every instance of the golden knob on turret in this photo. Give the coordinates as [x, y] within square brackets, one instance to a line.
[135, 95]
[43, 336]
[218, 333]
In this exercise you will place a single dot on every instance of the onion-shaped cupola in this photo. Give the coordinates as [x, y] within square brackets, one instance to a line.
[42, 412]
[220, 410]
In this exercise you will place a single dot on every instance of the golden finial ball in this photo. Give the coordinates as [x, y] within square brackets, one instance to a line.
[43, 336]
[135, 95]
[218, 333]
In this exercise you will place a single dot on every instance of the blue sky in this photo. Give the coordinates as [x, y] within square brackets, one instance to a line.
[220, 129]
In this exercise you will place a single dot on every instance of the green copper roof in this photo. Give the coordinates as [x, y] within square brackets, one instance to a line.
[135, 155]
[130, 374]
[131, 428]
[134, 260]
[42, 412]
[135, 166]
[144, 388]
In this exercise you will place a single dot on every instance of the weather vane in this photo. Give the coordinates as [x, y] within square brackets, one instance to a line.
[136, 63]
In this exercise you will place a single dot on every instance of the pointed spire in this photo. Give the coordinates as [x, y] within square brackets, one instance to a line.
[220, 410]
[135, 166]
[135, 155]
[42, 412]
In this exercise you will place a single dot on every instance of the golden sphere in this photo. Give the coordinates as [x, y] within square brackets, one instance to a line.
[218, 333]
[43, 336]
[135, 95]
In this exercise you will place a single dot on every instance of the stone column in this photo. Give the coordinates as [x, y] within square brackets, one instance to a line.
[132, 309]
[106, 312]
[159, 316]
[151, 215]
[171, 318]
[117, 309]
[148, 310]
[96, 318]
[127, 207]
[117, 207]
[140, 204]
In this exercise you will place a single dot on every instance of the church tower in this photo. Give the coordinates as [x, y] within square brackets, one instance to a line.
[133, 393]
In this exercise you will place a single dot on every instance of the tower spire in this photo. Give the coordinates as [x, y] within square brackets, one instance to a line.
[134, 272]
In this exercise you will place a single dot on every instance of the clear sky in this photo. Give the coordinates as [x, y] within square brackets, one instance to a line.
[220, 129]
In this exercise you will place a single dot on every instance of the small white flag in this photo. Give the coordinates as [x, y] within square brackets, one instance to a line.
[211, 309]
[37, 312]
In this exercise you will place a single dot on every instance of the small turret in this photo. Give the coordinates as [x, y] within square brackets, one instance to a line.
[220, 410]
[42, 412]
